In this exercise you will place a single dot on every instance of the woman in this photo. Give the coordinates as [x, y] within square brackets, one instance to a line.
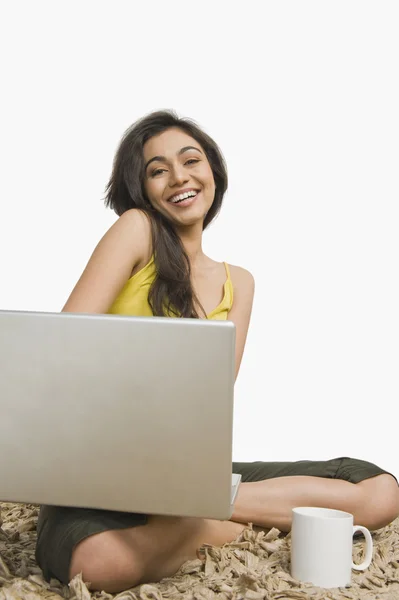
[167, 186]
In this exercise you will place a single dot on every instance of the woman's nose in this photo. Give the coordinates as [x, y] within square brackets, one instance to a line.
[177, 175]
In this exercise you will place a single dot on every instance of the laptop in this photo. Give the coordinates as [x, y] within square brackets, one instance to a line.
[119, 413]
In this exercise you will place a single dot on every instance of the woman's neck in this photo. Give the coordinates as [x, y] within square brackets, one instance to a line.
[192, 242]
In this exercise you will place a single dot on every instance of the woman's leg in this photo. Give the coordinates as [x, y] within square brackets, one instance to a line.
[351, 485]
[120, 559]
[117, 550]
[120, 556]
[374, 502]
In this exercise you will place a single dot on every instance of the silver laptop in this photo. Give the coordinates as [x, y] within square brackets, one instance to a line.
[120, 413]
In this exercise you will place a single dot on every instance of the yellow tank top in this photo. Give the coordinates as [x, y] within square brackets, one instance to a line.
[133, 299]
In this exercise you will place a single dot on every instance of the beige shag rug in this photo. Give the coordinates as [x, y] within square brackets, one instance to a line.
[254, 567]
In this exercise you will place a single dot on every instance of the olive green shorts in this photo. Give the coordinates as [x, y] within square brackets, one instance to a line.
[59, 529]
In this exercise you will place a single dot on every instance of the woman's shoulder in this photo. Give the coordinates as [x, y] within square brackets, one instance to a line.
[136, 217]
[241, 276]
[137, 223]
[124, 246]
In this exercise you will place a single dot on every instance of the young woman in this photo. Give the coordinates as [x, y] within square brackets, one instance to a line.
[167, 186]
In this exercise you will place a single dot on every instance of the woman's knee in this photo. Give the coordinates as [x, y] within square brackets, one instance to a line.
[380, 501]
[108, 561]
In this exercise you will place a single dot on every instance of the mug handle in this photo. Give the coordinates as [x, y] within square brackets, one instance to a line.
[369, 548]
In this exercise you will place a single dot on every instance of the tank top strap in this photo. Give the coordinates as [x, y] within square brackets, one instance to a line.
[226, 266]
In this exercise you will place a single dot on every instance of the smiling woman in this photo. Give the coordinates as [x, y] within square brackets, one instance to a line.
[160, 158]
[167, 185]
[184, 163]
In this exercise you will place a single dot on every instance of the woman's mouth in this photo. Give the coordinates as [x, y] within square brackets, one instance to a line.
[185, 202]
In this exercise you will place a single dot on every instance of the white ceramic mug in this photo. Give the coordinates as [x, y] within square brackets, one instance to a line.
[321, 546]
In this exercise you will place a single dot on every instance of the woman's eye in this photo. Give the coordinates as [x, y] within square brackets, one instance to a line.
[190, 161]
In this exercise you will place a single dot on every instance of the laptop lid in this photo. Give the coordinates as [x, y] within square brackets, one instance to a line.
[114, 412]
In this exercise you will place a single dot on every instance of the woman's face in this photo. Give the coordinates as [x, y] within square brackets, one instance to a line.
[174, 163]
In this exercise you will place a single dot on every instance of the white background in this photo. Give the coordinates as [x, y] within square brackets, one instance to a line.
[302, 98]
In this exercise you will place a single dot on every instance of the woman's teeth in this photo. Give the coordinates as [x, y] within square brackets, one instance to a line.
[182, 197]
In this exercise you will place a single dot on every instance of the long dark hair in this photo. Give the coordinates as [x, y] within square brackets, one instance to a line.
[171, 291]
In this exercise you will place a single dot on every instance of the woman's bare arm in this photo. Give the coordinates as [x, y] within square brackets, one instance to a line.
[240, 313]
[115, 256]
